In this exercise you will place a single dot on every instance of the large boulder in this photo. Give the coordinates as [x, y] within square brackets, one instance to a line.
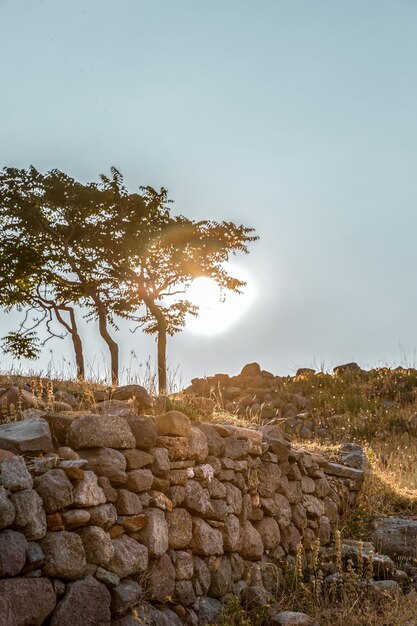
[26, 601]
[100, 431]
[30, 435]
[85, 603]
[395, 536]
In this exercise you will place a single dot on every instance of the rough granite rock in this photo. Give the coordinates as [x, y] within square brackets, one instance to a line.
[87, 491]
[155, 534]
[30, 435]
[290, 618]
[161, 584]
[104, 515]
[173, 424]
[206, 540]
[30, 514]
[64, 555]
[180, 528]
[125, 596]
[144, 431]
[98, 546]
[252, 546]
[198, 449]
[139, 480]
[128, 502]
[26, 601]
[130, 557]
[55, 490]
[14, 474]
[100, 431]
[7, 511]
[86, 603]
[13, 548]
[106, 462]
[395, 536]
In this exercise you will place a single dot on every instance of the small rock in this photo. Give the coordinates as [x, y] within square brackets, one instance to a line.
[7, 512]
[30, 515]
[106, 462]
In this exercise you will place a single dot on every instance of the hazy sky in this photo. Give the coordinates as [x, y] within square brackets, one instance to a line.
[296, 117]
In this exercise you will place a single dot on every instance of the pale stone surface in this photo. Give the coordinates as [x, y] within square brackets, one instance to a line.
[55, 490]
[64, 555]
[100, 431]
[197, 500]
[252, 546]
[206, 540]
[104, 515]
[85, 602]
[30, 514]
[198, 449]
[87, 491]
[26, 601]
[291, 618]
[98, 546]
[155, 534]
[174, 424]
[128, 502]
[144, 431]
[130, 557]
[106, 462]
[180, 528]
[269, 532]
[30, 435]
[14, 474]
[139, 480]
[395, 536]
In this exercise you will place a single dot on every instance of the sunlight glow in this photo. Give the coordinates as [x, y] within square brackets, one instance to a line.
[218, 311]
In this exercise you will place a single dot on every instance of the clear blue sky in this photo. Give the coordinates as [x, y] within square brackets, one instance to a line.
[298, 118]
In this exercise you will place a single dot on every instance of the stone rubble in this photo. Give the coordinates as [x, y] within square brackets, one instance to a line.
[125, 506]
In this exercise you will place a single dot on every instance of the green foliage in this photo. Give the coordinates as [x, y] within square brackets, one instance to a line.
[234, 614]
[21, 345]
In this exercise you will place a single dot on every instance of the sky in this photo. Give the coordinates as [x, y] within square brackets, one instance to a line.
[297, 118]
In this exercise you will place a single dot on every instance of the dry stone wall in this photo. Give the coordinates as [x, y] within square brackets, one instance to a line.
[100, 512]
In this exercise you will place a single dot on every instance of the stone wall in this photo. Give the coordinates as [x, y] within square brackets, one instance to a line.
[101, 512]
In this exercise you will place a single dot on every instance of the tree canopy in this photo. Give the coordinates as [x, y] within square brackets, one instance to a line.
[117, 254]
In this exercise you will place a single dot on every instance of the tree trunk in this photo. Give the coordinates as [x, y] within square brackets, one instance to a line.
[161, 342]
[76, 339]
[162, 357]
[112, 345]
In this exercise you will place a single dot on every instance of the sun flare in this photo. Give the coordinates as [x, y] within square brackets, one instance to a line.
[218, 311]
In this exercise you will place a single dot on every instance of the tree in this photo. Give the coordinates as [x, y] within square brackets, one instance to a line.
[76, 232]
[166, 266]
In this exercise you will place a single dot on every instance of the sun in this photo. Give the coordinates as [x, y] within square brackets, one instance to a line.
[218, 311]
